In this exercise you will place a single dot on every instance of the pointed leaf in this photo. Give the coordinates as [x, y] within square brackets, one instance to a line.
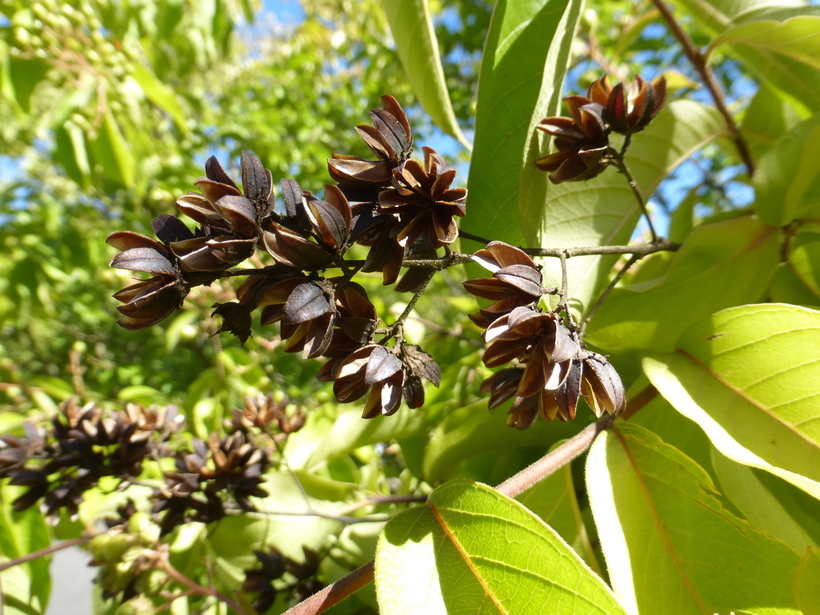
[159, 93]
[522, 70]
[417, 47]
[748, 376]
[796, 81]
[473, 550]
[798, 37]
[670, 546]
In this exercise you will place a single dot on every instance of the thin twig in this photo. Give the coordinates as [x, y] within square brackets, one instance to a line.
[43, 552]
[620, 162]
[700, 64]
[662, 245]
[175, 574]
[397, 325]
[471, 237]
[556, 459]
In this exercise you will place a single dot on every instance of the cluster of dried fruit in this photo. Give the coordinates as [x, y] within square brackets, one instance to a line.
[82, 445]
[582, 139]
[396, 206]
[278, 574]
[555, 370]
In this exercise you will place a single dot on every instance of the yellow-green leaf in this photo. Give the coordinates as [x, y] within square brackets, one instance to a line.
[798, 37]
[417, 47]
[670, 546]
[473, 550]
[749, 377]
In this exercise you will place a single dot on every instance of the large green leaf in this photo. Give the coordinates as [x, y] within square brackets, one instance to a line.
[788, 175]
[417, 47]
[473, 430]
[523, 67]
[759, 505]
[603, 210]
[748, 376]
[798, 37]
[721, 265]
[796, 81]
[473, 550]
[670, 546]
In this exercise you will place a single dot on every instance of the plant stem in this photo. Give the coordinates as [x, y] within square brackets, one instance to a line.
[471, 237]
[702, 67]
[43, 552]
[175, 574]
[661, 245]
[334, 593]
[394, 328]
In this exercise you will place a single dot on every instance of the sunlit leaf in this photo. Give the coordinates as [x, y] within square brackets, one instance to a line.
[748, 376]
[798, 37]
[159, 93]
[417, 47]
[473, 550]
[522, 71]
[670, 546]
[759, 505]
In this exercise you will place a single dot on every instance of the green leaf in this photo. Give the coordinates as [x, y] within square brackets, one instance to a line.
[759, 505]
[522, 70]
[113, 154]
[142, 394]
[767, 118]
[555, 502]
[806, 587]
[748, 376]
[473, 550]
[670, 546]
[603, 210]
[473, 430]
[796, 81]
[350, 432]
[720, 265]
[24, 589]
[787, 179]
[25, 76]
[417, 47]
[162, 95]
[798, 37]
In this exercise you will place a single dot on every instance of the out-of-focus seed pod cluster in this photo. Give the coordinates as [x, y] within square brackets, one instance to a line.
[582, 140]
[278, 573]
[553, 369]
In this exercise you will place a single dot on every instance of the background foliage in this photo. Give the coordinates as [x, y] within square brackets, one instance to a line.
[704, 501]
